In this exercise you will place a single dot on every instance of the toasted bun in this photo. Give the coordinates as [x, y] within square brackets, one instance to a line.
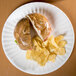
[22, 34]
[40, 24]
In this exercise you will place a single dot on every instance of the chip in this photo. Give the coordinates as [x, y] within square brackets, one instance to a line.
[39, 44]
[62, 43]
[58, 38]
[34, 42]
[45, 43]
[52, 41]
[46, 51]
[38, 39]
[44, 59]
[28, 54]
[52, 57]
[60, 51]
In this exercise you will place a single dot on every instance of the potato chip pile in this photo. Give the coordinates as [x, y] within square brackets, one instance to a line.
[47, 50]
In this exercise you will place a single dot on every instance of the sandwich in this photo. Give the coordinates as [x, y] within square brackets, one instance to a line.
[22, 34]
[32, 25]
[40, 24]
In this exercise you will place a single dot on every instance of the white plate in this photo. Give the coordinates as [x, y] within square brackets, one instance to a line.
[60, 23]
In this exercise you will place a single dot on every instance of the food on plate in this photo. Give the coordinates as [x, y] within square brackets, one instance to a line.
[32, 33]
[62, 43]
[44, 51]
[52, 57]
[58, 38]
[22, 34]
[40, 24]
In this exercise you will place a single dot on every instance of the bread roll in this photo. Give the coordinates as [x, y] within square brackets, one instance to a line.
[22, 34]
[40, 24]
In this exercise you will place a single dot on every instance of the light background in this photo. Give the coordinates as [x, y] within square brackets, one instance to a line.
[7, 7]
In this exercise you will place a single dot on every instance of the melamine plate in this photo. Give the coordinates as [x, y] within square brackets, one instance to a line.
[60, 24]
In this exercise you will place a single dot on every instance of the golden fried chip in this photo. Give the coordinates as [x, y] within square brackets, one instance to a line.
[58, 38]
[39, 44]
[44, 51]
[38, 48]
[45, 43]
[52, 57]
[44, 59]
[60, 51]
[28, 54]
[35, 42]
[52, 41]
[40, 57]
[52, 50]
[38, 39]
[62, 43]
